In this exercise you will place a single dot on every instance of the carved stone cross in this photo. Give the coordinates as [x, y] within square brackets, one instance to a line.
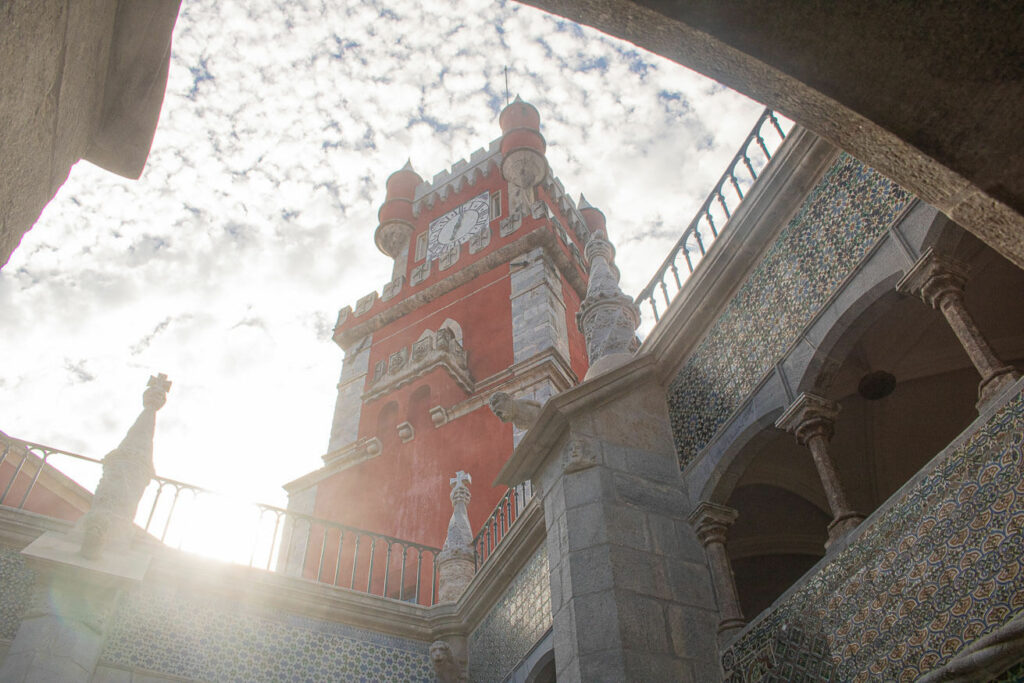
[459, 478]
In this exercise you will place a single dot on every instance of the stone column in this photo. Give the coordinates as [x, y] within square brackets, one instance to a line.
[812, 419]
[631, 595]
[456, 563]
[939, 281]
[711, 522]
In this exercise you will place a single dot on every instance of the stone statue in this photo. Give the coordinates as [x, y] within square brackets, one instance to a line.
[448, 667]
[519, 411]
[127, 471]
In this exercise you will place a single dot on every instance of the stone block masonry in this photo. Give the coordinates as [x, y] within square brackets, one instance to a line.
[538, 308]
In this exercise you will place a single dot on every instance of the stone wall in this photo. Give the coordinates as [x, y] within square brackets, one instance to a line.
[938, 568]
[513, 626]
[842, 217]
[212, 639]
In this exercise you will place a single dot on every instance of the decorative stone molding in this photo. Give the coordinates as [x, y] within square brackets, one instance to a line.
[449, 257]
[405, 432]
[392, 288]
[438, 416]
[711, 522]
[126, 473]
[366, 303]
[353, 454]
[607, 318]
[456, 563]
[812, 420]
[939, 281]
[419, 273]
[440, 349]
[479, 241]
[509, 224]
[520, 412]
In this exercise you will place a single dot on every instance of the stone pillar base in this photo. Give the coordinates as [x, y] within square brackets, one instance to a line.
[843, 524]
[993, 386]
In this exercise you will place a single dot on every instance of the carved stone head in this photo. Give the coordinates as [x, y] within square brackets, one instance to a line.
[502, 406]
[441, 653]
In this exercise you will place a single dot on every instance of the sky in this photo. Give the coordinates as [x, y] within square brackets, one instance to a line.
[225, 264]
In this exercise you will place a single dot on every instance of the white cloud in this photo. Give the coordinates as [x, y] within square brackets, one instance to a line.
[225, 264]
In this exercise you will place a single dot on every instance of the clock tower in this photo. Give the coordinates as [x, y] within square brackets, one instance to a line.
[487, 279]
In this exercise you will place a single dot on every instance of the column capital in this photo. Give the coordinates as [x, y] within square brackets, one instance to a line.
[711, 521]
[809, 415]
[934, 277]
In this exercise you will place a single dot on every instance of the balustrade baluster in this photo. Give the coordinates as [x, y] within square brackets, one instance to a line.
[700, 242]
[721, 202]
[760, 143]
[387, 568]
[355, 561]
[337, 562]
[419, 572]
[654, 307]
[664, 293]
[401, 578]
[775, 122]
[167, 523]
[17, 473]
[273, 539]
[369, 574]
[323, 550]
[750, 167]
[736, 186]
[675, 274]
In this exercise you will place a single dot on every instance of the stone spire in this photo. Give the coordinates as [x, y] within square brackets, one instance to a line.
[126, 473]
[456, 562]
[607, 318]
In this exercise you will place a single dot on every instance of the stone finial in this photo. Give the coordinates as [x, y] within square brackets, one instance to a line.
[520, 412]
[607, 317]
[456, 563]
[126, 473]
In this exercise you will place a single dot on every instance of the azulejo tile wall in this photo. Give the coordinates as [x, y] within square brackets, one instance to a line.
[937, 570]
[517, 621]
[214, 639]
[17, 580]
[842, 217]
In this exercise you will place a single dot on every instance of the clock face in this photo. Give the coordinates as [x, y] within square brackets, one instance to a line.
[459, 224]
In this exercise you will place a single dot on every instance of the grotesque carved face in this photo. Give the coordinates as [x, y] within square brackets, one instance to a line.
[440, 652]
[501, 405]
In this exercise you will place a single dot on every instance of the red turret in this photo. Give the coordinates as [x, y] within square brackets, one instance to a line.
[395, 214]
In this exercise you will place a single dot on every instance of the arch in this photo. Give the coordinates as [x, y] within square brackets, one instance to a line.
[455, 328]
[840, 337]
[387, 421]
[544, 670]
[418, 412]
[736, 457]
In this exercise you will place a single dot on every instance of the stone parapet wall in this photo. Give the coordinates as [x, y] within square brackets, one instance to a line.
[937, 567]
[841, 219]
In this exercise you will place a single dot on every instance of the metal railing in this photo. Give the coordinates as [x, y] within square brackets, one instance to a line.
[505, 513]
[756, 151]
[198, 520]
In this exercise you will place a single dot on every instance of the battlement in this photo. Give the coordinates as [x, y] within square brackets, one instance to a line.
[464, 171]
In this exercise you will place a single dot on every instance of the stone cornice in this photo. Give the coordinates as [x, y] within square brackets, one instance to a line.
[771, 202]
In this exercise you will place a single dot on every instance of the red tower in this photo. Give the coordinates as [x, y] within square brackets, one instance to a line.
[487, 279]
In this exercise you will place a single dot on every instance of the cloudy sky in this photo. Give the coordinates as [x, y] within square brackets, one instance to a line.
[224, 266]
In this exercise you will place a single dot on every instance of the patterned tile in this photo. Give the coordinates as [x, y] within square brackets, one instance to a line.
[161, 630]
[16, 580]
[842, 217]
[514, 625]
[941, 568]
